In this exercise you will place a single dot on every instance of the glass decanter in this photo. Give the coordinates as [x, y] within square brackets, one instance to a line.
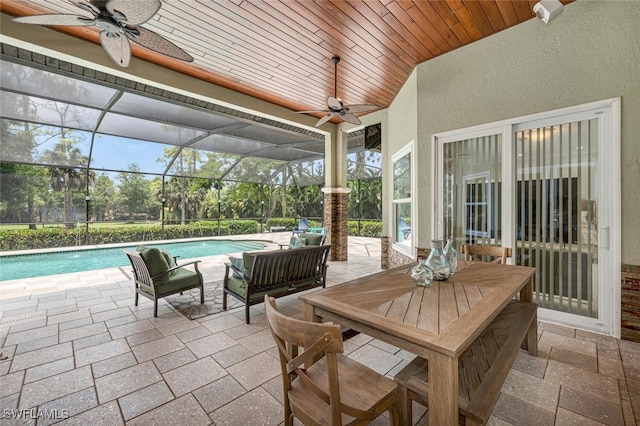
[451, 253]
[438, 262]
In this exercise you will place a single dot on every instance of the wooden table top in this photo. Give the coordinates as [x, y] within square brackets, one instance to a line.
[445, 317]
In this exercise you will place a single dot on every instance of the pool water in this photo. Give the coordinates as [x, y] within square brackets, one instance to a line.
[63, 262]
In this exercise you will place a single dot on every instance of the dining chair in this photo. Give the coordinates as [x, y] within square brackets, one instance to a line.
[334, 390]
[492, 254]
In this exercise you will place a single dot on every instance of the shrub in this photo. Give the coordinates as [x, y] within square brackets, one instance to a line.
[27, 239]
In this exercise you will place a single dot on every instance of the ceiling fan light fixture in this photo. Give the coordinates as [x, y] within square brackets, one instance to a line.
[336, 107]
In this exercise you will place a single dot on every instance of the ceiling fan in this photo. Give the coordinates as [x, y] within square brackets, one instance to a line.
[335, 107]
[118, 20]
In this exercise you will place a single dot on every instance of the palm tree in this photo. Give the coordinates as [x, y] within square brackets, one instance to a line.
[67, 179]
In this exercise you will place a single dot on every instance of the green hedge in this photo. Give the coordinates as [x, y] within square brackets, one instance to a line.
[368, 228]
[26, 239]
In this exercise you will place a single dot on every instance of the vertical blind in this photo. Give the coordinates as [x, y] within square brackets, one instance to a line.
[556, 216]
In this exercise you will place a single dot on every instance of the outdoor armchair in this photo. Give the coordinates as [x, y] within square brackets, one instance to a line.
[154, 278]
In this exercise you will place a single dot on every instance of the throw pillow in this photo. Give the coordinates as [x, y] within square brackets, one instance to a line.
[248, 260]
[294, 242]
[170, 260]
[238, 262]
[156, 263]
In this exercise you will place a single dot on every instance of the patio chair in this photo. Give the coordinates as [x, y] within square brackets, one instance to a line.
[335, 390]
[303, 226]
[154, 278]
[492, 254]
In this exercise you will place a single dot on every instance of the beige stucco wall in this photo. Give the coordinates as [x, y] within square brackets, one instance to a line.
[402, 122]
[590, 52]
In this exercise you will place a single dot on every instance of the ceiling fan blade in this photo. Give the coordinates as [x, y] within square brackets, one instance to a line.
[311, 112]
[117, 47]
[324, 119]
[56, 19]
[137, 12]
[157, 43]
[350, 118]
[87, 5]
[360, 108]
[334, 103]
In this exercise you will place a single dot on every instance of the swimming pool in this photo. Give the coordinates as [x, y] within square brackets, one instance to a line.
[62, 262]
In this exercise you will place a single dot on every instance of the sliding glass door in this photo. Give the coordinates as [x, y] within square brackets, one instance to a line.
[544, 186]
[556, 217]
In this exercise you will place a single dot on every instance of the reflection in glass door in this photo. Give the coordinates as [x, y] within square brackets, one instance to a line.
[547, 186]
[472, 196]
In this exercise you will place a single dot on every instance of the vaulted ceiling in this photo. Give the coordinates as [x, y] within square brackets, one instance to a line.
[280, 50]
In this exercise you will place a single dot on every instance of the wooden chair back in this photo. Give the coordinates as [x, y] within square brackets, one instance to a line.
[481, 253]
[316, 339]
[303, 343]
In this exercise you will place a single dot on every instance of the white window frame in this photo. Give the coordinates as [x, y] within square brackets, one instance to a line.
[403, 248]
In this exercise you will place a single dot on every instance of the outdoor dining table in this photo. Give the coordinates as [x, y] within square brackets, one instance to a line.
[437, 322]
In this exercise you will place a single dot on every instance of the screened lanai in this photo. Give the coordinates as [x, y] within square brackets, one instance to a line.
[80, 146]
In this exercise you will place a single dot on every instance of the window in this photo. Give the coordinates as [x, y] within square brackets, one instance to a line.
[403, 217]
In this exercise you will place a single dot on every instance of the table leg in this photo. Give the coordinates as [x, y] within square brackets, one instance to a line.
[531, 342]
[443, 389]
[532, 337]
[309, 313]
[526, 293]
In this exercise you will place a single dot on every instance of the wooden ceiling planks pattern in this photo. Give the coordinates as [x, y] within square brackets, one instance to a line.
[280, 50]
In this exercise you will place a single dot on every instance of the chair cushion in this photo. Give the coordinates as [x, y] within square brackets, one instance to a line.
[238, 262]
[248, 258]
[183, 279]
[156, 264]
[312, 239]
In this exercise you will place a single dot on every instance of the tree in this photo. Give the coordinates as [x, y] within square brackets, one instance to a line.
[69, 167]
[134, 191]
[66, 179]
[102, 197]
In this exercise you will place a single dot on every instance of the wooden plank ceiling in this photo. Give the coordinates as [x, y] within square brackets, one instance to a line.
[280, 50]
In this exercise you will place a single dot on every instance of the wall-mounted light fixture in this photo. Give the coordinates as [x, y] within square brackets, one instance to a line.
[546, 10]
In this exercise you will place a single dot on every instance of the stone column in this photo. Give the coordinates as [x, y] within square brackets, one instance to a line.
[335, 222]
[336, 195]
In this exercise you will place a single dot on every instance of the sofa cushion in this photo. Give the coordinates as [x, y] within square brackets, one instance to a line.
[156, 264]
[239, 287]
[238, 262]
[312, 239]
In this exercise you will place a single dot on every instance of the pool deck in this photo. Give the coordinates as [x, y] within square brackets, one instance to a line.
[77, 347]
